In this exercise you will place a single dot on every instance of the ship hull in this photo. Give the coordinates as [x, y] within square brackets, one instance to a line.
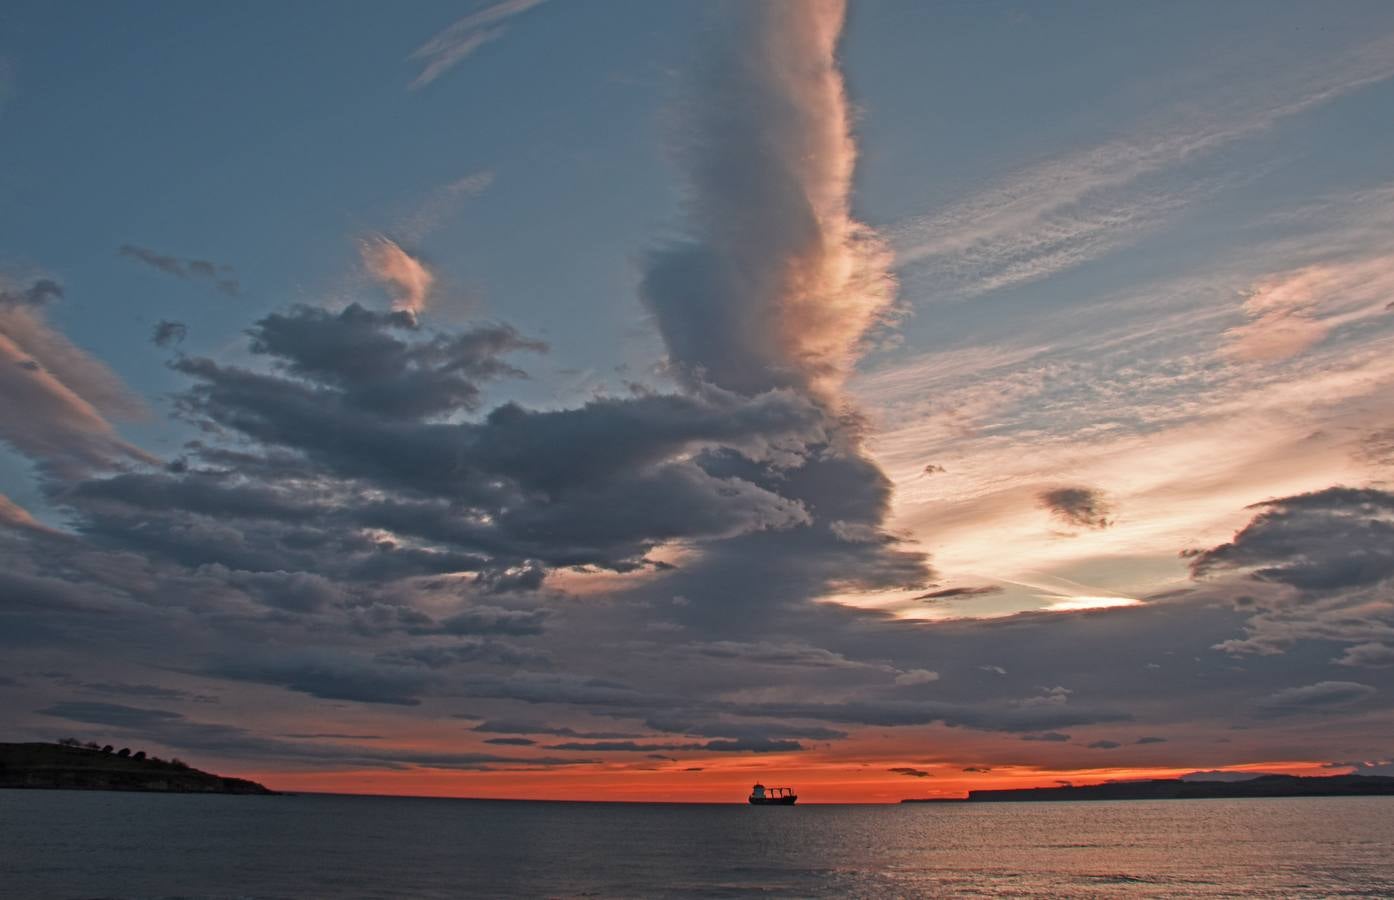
[773, 801]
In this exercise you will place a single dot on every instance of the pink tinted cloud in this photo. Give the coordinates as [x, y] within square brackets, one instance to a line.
[57, 400]
[407, 280]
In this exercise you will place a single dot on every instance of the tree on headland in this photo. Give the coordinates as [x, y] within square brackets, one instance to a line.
[124, 751]
[69, 742]
[139, 754]
[107, 749]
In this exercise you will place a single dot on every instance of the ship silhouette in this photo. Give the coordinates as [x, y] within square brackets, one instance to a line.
[775, 796]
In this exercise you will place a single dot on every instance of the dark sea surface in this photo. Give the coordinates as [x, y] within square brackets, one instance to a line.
[101, 844]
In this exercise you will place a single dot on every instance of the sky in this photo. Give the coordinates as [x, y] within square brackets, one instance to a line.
[641, 400]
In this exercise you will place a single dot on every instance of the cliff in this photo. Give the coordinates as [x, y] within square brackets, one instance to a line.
[57, 766]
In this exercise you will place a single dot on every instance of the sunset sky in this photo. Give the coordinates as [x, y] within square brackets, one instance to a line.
[639, 400]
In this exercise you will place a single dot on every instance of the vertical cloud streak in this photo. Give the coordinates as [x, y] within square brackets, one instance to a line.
[777, 285]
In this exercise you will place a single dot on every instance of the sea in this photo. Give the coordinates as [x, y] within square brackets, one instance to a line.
[77, 844]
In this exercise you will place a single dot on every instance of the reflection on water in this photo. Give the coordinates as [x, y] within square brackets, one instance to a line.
[79, 844]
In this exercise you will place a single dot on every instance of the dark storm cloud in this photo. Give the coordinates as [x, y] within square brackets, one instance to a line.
[167, 333]
[1010, 718]
[1077, 507]
[1368, 656]
[119, 688]
[1319, 697]
[363, 356]
[439, 656]
[753, 745]
[332, 676]
[738, 730]
[500, 726]
[110, 714]
[220, 276]
[20, 591]
[775, 654]
[1331, 539]
[597, 485]
[348, 445]
[1313, 566]
[174, 730]
[490, 620]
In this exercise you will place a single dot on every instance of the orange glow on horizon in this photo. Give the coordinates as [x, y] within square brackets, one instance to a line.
[722, 781]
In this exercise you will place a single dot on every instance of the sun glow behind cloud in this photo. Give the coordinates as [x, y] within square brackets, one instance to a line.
[1081, 603]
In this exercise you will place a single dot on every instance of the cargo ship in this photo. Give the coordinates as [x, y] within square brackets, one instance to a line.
[775, 796]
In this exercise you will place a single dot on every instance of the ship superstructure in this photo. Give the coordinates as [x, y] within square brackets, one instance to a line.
[772, 796]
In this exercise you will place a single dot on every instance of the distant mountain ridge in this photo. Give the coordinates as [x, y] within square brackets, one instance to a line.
[1177, 789]
[66, 766]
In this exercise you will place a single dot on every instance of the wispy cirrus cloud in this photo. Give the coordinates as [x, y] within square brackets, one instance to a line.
[1179, 400]
[1070, 210]
[449, 47]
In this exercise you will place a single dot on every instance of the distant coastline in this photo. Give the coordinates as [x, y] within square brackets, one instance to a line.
[1176, 789]
[73, 767]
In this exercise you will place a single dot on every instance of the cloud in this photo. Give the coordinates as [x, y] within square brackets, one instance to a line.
[500, 726]
[440, 204]
[1052, 216]
[220, 276]
[1052, 737]
[746, 745]
[1150, 740]
[167, 333]
[372, 404]
[110, 714]
[68, 397]
[491, 620]
[330, 675]
[778, 285]
[12, 515]
[407, 279]
[1339, 537]
[1307, 567]
[1104, 745]
[1319, 697]
[1368, 656]
[955, 592]
[464, 36]
[910, 772]
[174, 730]
[39, 292]
[916, 676]
[1077, 507]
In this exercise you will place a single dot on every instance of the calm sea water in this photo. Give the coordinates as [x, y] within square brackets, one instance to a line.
[89, 845]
